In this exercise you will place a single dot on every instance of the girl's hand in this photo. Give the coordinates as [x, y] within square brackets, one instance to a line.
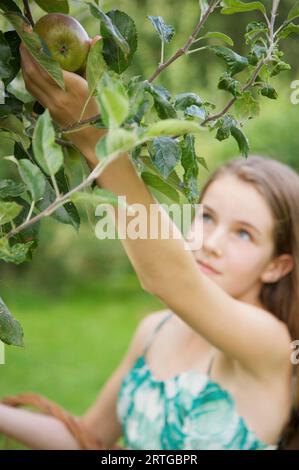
[64, 106]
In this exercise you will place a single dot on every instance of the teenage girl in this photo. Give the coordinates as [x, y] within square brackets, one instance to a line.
[213, 370]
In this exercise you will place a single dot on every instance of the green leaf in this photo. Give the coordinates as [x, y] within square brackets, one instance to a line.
[11, 106]
[162, 103]
[61, 214]
[235, 63]
[13, 40]
[107, 25]
[95, 66]
[191, 104]
[64, 187]
[33, 178]
[269, 91]
[140, 100]
[257, 52]
[224, 125]
[5, 57]
[9, 5]
[288, 30]
[172, 127]
[145, 161]
[194, 111]
[10, 329]
[8, 211]
[17, 253]
[116, 58]
[294, 12]
[254, 29]
[29, 233]
[36, 47]
[184, 100]
[98, 196]
[246, 107]
[279, 66]
[165, 31]
[160, 185]
[236, 6]
[228, 83]
[120, 140]
[228, 126]
[101, 148]
[46, 151]
[190, 165]
[241, 139]
[9, 188]
[165, 154]
[216, 34]
[54, 6]
[114, 106]
[16, 130]
[203, 163]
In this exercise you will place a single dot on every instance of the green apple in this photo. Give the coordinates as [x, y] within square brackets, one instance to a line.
[66, 39]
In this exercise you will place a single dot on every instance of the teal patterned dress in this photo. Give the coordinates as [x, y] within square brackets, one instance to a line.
[186, 412]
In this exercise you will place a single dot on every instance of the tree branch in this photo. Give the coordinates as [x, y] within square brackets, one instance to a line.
[78, 124]
[62, 199]
[232, 100]
[27, 12]
[188, 43]
[183, 50]
[258, 68]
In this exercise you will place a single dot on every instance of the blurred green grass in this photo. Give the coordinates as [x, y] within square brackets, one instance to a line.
[73, 343]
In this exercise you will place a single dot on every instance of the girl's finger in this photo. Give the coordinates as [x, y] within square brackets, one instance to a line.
[35, 71]
[34, 89]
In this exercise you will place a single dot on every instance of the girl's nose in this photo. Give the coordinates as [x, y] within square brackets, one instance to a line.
[214, 242]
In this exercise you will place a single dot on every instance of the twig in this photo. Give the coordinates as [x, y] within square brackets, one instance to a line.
[232, 100]
[27, 12]
[258, 68]
[77, 125]
[275, 5]
[64, 143]
[30, 211]
[62, 199]
[183, 50]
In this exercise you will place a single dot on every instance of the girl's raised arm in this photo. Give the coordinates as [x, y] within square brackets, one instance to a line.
[165, 268]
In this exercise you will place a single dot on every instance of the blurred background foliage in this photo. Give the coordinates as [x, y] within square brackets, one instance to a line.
[79, 300]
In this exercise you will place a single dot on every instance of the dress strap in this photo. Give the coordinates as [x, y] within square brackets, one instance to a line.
[150, 340]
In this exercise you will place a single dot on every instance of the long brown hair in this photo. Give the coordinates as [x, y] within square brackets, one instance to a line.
[279, 186]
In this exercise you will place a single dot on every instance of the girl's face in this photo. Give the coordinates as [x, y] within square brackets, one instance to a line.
[237, 237]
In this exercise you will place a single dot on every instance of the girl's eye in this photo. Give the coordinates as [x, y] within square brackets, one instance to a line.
[247, 233]
[206, 215]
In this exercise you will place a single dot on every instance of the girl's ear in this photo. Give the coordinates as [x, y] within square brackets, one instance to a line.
[278, 268]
